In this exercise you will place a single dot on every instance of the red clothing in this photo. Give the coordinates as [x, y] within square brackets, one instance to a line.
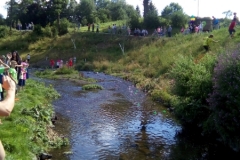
[232, 25]
[70, 63]
[52, 62]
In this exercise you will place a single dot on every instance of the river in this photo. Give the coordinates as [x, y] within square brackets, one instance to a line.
[122, 123]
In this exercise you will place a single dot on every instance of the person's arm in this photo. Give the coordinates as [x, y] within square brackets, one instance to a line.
[6, 67]
[6, 106]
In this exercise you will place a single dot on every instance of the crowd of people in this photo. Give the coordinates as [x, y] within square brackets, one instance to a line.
[59, 63]
[17, 69]
[231, 30]
[28, 26]
[13, 73]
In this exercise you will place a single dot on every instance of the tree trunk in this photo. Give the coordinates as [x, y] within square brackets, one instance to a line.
[58, 22]
[11, 15]
[145, 7]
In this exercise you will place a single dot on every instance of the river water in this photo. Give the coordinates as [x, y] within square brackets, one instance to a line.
[121, 123]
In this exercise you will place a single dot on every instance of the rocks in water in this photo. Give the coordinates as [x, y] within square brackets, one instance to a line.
[68, 153]
[45, 156]
[143, 128]
[53, 119]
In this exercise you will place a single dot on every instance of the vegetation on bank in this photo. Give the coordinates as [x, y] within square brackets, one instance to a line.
[176, 71]
[26, 133]
[64, 73]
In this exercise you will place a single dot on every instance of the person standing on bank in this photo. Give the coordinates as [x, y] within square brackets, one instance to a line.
[28, 57]
[169, 30]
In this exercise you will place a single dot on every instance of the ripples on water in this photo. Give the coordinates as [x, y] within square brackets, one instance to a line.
[117, 122]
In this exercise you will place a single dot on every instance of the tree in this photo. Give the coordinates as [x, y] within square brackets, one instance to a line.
[152, 9]
[138, 11]
[85, 10]
[2, 20]
[228, 13]
[145, 7]
[178, 19]
[57, 6]
[170, 9]
[151, 20]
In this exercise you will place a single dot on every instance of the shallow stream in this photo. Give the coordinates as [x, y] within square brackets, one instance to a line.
[121, 123]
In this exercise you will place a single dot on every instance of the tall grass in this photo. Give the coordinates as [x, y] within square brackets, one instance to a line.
[24, 133]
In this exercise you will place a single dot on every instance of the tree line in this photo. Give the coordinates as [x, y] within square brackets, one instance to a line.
[44, 12]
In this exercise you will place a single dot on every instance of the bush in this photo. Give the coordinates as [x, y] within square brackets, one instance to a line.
[38, 30]
[47, 31]
[224, 100]
[64, 70]
[192, 84]
[63, 28]
[3, 31]
[92, 87]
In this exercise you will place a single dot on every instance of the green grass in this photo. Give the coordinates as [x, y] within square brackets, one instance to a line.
[24, 132]
[146, 61]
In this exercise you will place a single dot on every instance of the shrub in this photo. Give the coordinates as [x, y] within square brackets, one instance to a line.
[192, 84]
[38, 30]
[63, 28]
[225, 98]
[3, 31]
[64, 70]
[91, 87]
[47, 31]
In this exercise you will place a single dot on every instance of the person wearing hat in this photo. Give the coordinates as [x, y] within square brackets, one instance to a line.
[208, 41]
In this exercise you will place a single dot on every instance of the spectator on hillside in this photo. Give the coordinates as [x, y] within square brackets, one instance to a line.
[231, 27]
[97, 28]
[28, 57]
[89, 26]
[182, 29]
[235, 17]
[215, 23]
[196, 29]
[74, 60]
[169, 30]
[208, 41]
[200, 27]
[52, 62]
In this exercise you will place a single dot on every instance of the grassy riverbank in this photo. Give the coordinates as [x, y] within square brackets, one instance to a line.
[148, 62]
[26, 133]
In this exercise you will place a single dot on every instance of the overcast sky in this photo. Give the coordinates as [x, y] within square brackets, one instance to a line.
[207, 8]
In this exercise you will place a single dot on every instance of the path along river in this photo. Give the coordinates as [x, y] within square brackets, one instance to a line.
[120, 123]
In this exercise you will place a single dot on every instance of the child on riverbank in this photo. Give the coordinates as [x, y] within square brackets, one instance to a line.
[23, 75]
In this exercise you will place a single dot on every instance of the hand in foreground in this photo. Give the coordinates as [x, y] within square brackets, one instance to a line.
[8, 83]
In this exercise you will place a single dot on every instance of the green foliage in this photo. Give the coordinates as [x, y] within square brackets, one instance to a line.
[151, 20]
[63, 28]
[47, 31]
[85, 66]
[91, 87]
[24, 133]
[224, 99]
[171, 8]
[38, 30]
[178, 19]
[192, 84]
[64, 70]
[3, 31]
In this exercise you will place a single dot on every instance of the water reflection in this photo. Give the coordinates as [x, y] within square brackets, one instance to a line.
[115, 123]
